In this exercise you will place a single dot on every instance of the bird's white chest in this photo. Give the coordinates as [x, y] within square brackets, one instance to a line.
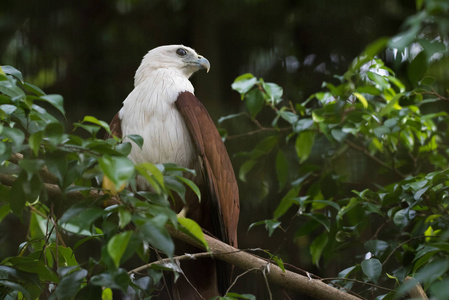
[150, 111]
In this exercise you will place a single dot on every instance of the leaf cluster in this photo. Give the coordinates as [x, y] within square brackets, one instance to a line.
[70, 193]
[361, 166]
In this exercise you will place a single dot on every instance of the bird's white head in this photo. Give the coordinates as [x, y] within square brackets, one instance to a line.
[180, 59]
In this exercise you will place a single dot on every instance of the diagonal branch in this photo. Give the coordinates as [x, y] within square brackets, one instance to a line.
[312, 287]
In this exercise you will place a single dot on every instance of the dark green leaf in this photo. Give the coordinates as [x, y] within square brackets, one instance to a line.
[254, 102]
[33, 89]
[16, 287]
[136, 139]
[286, 203]
[282, 167]
[317, 247]
[153, 231]
[31, 166]
[24, 190]
[417, 68]
[377, 247]
[70, 284]
[245, 168]
[322, 219]
[372, 268]
[56, 100]
[304, 144]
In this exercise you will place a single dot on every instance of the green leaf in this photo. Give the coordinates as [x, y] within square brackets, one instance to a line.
[245, 168]
[117, 279]
[372, 268]
[118, 169]
[234, 296]
[264, 147]
[56, 100]
[191, 185]
[136, 139]
[35, 142]
[124, 217]
[13, 71]
[317, 247]
[377, 247]
[273, 91]
[432, 271]
[153, 175]
[31, 166]
[270, 225]
[5, 209]
[194, 229]
[362, 99]
[392, 104]
[286, 202]
[254, 102]
[282, 169]
[8, 108]
[404, 39]
[117, 246]
[16, 287]
[70, 284]
[322, 219]
[33, 89]
[304, 144]
[376, 47]
[417, 68]
[244, 83]
[153, 231]
[95, 121]
[380, 80]
[54, 133]
[15, 136]
[24, 190]
[11, 90]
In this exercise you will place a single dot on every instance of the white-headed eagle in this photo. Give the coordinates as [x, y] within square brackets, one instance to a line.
[177, 128]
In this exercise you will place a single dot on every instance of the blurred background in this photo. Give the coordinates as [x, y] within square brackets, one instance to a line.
[88, 51]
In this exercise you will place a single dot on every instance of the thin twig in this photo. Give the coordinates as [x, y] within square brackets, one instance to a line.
[263, 129]
[434, 94]
[379, 161]
[239, 276]
[407, 241]
[358, 281]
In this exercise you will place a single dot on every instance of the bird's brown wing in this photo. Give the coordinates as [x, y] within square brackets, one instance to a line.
[116, 128]
[218, 171]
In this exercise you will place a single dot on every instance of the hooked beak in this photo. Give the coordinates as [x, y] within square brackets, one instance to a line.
[203, 63]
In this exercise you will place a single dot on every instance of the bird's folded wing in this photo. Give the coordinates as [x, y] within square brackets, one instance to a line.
[219, 174]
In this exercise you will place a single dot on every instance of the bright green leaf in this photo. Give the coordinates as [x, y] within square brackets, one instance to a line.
[194, 229]
[117, 246]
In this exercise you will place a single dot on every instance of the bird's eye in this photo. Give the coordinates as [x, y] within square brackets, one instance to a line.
[181, 52]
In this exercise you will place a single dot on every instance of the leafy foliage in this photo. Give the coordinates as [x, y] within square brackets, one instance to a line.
[370, 126]
[64, 187]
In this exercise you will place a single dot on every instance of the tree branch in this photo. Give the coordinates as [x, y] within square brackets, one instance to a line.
[45, 173]
[312, 287]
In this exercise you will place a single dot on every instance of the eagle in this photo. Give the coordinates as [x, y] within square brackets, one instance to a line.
[176, 128]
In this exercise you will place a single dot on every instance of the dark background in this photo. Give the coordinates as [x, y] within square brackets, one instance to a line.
[88, 51]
